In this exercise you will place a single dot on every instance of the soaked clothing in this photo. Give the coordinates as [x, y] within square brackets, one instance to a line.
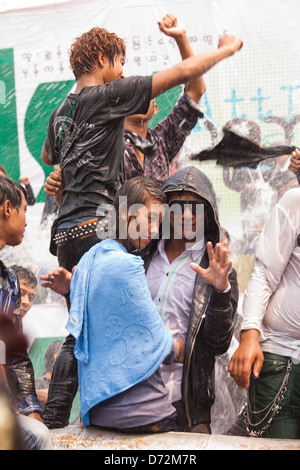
[271, 306]
[272, 294]
[162, 144]
[276, 389]
[85, 136]
[173, 304]
[21, 377]
[210, 323]
[120, 341]
[9, 290]
[144, 404]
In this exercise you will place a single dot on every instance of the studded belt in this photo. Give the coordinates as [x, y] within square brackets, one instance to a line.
[82, 230]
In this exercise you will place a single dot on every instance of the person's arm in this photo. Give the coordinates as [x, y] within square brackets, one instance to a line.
[170, 26]
[274, 250]
[45, 157]
[194, 67]
[21, 367]
[217, 328]
[29, 191]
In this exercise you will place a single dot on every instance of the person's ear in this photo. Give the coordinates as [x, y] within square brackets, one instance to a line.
[7, 208]
[102, 59]
[155, 108]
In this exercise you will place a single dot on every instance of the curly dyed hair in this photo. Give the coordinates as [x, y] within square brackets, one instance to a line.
[85, 50]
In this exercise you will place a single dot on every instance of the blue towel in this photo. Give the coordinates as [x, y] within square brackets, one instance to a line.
[120, 337]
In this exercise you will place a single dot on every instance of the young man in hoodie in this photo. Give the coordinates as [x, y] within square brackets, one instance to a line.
[196, 304]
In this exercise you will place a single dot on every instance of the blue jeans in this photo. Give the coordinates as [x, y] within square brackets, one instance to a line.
[34, 434]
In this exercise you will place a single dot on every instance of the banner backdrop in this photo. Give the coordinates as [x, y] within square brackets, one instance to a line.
[260, 84]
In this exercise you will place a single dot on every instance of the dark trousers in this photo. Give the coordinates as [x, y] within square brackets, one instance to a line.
[274, 399]
[64, 379]
[167, 424]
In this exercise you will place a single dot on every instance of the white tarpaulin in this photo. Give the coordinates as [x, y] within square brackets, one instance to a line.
[259, 84]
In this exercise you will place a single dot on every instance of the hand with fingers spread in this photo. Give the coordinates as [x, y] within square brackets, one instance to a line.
[219, 267]
[248, 355]
[59, 281]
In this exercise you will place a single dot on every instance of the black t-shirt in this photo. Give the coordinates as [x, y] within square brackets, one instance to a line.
[85, 136]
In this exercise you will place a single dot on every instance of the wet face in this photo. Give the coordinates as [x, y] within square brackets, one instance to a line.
[27, 296]
[144, 225]
[187, 211]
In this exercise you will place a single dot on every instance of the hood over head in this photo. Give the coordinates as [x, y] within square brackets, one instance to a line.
[192, 179]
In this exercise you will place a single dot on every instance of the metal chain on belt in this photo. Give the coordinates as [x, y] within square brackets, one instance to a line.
[272, 409]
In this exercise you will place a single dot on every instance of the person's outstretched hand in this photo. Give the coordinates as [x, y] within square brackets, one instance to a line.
[59, 281]
[219, 267]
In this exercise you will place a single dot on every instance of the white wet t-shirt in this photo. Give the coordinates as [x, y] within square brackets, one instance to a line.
[272, 297]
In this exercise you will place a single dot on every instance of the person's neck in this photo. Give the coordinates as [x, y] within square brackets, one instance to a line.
[174, 248]
[87, 80]
[139, 126]
[2, 244]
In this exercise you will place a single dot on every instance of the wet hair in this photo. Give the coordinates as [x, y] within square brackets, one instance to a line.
[11, 190]
[24, 273]
[85, 50]
[138, 190]
[3, 170]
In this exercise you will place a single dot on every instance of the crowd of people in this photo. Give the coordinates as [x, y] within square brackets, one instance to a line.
[144, 267]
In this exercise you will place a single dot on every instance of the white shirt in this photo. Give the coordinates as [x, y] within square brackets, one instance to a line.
[172, 287]
[272, 298]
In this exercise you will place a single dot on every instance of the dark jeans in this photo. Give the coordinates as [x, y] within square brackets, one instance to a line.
[277, 385]
[163, 425]
[64, 380]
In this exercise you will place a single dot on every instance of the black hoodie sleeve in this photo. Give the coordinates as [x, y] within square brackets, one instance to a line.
[218, 324]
